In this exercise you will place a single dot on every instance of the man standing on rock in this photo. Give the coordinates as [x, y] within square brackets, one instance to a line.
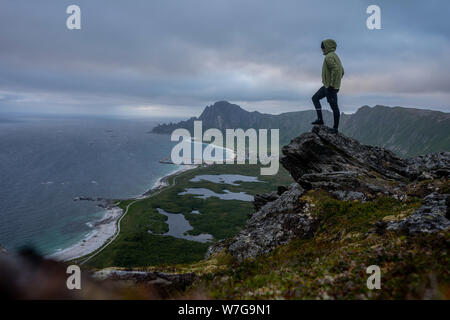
[332, 72]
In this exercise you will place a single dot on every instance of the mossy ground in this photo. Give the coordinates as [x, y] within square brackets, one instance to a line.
[332, 264]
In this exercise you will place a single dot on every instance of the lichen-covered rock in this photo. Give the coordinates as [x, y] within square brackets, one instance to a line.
[260, 200]
[322, 151]
[345, 185]
[432, 216]
[274, 224]
[430, 166]
[159, 280]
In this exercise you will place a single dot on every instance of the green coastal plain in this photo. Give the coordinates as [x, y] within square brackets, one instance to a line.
[136, 247]
[330, 265]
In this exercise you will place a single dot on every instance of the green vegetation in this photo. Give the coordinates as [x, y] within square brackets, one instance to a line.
[136, 247]
[333, 263]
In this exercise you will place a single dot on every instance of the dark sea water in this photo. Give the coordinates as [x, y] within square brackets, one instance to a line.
[45, 163]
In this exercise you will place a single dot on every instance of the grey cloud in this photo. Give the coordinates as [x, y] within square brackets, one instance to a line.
[186, 54]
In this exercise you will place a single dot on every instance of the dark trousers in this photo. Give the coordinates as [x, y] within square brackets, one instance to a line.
[331, 95]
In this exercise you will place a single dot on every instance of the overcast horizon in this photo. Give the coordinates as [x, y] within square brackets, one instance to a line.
[173, 58]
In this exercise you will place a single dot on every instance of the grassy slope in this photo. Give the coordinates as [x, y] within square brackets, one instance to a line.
[135, 247]
[333, 263]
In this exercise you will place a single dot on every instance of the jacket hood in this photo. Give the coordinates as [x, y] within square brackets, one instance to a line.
[329, 45]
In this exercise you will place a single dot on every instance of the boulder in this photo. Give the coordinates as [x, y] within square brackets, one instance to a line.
[432, 216]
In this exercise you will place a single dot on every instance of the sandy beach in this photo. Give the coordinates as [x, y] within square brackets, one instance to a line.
[103, 230]
[164, 181]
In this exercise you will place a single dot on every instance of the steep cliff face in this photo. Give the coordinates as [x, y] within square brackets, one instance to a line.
[347, 171]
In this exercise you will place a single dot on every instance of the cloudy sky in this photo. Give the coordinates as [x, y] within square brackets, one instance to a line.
[172, 58]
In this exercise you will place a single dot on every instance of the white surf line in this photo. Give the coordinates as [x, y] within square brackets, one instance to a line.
[118, 221]
[113, 238]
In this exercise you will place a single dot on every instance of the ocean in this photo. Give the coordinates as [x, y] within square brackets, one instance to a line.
[47, 162]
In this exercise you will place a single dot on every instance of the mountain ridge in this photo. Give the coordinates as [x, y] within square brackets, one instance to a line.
[406, 131]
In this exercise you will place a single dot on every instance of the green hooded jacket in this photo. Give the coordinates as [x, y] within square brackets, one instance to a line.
[332, 70]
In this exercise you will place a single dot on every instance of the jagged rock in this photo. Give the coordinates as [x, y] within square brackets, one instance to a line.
[161, 280]
[348, 195]
[429, 166]
[344, 185]
[431, 217]
[276, 223]
[322, 151]
[287, 202]
[178, 280]
[260, 200]
[281, 190]
[217, 247]
[349, 170]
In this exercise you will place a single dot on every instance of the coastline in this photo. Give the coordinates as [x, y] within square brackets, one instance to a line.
[103, 229]
[106, 227]
[163, 182]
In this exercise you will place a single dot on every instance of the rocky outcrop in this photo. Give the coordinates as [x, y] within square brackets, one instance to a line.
[351, 171]
[103, 203]
[348, 170]
[430, 166]
[276, 223]
[259, 200]
[322, 151]
[160, 280]
[432, 216]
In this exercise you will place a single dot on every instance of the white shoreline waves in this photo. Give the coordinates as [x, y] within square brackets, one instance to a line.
[106, 228]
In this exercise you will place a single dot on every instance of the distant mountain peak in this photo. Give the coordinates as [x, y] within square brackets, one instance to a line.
[222, 103]
[221, 107]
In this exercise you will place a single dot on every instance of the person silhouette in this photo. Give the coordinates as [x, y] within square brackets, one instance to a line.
[332, 73]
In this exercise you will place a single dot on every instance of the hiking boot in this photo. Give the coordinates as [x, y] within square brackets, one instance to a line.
[317, 122]
[334, 130]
